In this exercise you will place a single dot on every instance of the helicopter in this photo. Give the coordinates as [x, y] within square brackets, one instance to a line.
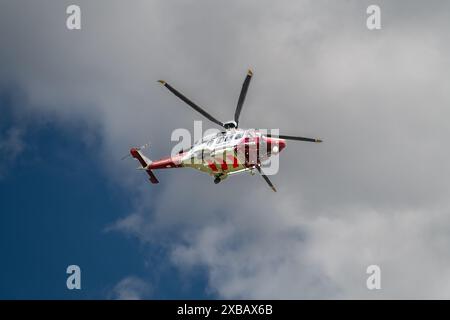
[231, 151]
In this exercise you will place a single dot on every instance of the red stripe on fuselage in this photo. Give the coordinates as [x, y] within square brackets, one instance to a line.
[233, 160]
[212, 166]
[224, 165]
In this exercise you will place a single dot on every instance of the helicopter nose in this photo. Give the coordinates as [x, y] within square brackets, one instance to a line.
[275, 145]
[281, 144]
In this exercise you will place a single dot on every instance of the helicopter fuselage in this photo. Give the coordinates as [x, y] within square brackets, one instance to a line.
[225, 153]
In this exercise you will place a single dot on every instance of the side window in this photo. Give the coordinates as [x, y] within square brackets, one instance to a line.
[219, 140]
[198, 154]
[238, 136]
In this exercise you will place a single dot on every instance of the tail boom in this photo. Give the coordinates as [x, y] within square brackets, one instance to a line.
[149, 165]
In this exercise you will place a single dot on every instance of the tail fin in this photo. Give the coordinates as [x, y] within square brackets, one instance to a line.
[145, 163]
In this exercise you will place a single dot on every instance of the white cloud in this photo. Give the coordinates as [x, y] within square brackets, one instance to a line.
[131, 288]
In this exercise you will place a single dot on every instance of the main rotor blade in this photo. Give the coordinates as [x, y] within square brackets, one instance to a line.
[295, 138]
[242, 96]
[190, 103]
[266, 178]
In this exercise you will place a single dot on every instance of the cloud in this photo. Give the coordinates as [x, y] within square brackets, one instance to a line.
[12, 144]
[375, 192]
[131, 288]
[13, 130]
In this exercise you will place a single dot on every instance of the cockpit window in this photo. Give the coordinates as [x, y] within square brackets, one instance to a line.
[238, 136]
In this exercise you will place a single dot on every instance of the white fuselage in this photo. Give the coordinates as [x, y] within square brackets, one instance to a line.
[228, 152]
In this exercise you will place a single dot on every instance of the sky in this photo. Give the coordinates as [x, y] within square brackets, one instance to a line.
[72, 103]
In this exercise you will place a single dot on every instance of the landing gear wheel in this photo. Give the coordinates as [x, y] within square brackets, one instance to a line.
[216, 180]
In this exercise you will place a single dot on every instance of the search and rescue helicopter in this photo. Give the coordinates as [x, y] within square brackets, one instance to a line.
[228, 152]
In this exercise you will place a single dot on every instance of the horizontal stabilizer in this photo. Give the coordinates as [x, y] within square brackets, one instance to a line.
[152, 177]
[145, 163]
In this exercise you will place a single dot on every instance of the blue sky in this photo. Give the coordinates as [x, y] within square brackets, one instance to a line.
[56, 203]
